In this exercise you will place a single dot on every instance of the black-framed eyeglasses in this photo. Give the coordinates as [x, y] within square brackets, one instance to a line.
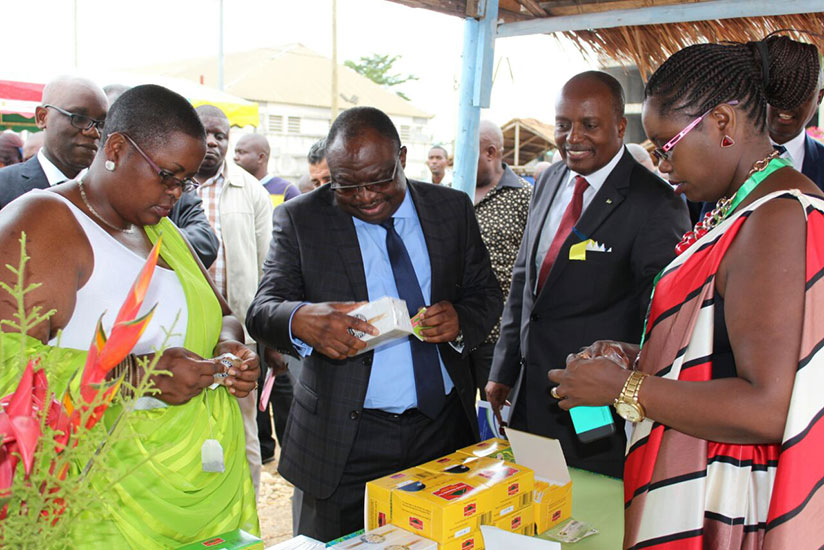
[166, 178]
[380, 185]
[662, 153]
[81, 122]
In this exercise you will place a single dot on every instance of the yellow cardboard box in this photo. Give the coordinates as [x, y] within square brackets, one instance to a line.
[553, 486]
[378, 503]
[553, 504]
[491, 448]
[465, 494]
[472, 541]
[521, 522]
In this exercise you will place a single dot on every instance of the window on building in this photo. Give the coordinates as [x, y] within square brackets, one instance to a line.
[293, 125]
[276, 123]
[405, 134]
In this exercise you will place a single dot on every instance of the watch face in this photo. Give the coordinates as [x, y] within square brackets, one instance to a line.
[629, 412]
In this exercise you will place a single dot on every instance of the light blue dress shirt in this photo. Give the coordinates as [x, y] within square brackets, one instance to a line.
[392, 379]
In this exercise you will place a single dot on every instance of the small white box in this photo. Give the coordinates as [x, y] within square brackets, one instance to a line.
[387, 537]
[389, 315]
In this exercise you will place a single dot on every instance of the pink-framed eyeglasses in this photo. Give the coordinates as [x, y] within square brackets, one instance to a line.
[662, 153]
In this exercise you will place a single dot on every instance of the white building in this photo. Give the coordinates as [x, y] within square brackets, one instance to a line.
[293, 86]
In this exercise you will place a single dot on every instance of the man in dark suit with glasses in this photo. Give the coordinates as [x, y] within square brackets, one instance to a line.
[372, 233]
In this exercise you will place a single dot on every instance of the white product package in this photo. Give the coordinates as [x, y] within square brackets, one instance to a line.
[389, 315]
[388, 537]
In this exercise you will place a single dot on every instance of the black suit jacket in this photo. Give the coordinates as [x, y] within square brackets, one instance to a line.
[813, 166]
[187, 214]
[639, 220]
[315, 257]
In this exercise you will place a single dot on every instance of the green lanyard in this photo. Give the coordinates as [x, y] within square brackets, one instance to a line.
[746, 188]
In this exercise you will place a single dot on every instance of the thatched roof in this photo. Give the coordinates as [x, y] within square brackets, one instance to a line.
[525, 139]
[646, 46]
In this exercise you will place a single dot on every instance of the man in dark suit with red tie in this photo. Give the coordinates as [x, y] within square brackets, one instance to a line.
[600, 227]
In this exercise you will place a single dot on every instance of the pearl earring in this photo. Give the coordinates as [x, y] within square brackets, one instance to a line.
[110, 166]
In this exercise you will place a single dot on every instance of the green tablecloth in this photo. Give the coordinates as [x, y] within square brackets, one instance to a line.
[599, 501]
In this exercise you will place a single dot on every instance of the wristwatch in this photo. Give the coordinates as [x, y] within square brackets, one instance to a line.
[626, 404]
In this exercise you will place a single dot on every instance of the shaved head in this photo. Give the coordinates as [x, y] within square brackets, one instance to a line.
[490, 134]
[252, 154]
[490, 156]
[65, 88]
[211, 111]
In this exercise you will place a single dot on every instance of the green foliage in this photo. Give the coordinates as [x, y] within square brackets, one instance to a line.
[378, 69]
[68, 482]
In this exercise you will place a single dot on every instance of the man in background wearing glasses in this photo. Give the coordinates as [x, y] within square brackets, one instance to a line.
[71, 117]
[372, 232]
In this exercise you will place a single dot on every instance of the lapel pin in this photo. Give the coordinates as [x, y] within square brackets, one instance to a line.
[609, 201]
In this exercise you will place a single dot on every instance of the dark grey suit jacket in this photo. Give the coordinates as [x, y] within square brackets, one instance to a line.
[638, 217]
[813, 166]
[315, 257]
[187, 214]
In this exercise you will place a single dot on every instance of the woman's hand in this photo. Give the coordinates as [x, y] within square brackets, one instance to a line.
[242, 379]
[589, 382]
[622, 353]
[190, 374]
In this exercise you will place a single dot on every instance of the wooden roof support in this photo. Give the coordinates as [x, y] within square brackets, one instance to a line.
[698, 11]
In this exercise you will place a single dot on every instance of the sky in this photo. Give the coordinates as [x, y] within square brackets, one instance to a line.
[118, 35]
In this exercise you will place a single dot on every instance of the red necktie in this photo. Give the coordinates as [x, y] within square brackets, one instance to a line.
[568, 221]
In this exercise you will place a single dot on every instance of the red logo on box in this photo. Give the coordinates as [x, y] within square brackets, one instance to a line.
[468, 544]
[453, 491]
[470, 509]
[415, 523]
[381, 519]
[516, 522]
[556, 515]
[513, 489]
[212, 542]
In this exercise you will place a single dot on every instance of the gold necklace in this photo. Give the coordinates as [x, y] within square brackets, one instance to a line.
[129, 229]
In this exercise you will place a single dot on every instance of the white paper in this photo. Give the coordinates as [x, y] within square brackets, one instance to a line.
[542, 454]
[389, 315]
[498, 539]
[488, 423]
[300, 542]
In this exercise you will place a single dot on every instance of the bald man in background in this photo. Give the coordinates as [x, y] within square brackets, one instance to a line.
[252, 154]
[501, 206]
[33, 144]
[71, 116]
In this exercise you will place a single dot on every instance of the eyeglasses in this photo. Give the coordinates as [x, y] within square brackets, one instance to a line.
[351, 190]
[81, 122]
[166, 178]
[662, 153]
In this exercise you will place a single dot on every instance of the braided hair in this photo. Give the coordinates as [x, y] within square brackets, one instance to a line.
[777, 70]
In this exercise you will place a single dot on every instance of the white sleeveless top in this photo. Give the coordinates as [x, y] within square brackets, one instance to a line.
[115, 270]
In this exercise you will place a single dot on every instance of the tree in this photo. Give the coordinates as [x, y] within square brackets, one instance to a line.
[377, 68]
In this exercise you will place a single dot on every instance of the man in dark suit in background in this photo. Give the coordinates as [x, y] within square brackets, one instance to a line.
[71, 115]
[372, 233]
[600, 228]
[787, 130]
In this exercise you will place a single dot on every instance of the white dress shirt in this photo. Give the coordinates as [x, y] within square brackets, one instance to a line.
[562, 199]
[795, 150]
[53, 173]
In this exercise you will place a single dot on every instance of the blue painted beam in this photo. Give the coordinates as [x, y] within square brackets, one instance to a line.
[474, 93]
[654, 15]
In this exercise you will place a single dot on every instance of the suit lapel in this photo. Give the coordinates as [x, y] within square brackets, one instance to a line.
[33, 172]
[341, 229]
[813, 166]
[540, 213]
[430, 223]
[606, 200]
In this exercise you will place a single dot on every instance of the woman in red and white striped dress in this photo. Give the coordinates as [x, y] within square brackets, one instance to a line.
[727, 446]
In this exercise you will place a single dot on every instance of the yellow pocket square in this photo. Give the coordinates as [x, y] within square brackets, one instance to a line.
[579, 250]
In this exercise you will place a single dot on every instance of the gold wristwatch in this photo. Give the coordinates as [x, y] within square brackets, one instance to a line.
[626, 404]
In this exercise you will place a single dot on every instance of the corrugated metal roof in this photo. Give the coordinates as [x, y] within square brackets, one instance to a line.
[291, 74]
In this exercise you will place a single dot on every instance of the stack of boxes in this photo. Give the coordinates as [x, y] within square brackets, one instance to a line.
[448, 499]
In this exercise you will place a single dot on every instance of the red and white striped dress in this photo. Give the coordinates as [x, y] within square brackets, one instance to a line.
[684, 493]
